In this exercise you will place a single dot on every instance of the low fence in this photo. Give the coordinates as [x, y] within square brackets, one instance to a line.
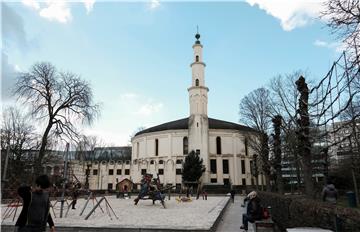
[296, 211]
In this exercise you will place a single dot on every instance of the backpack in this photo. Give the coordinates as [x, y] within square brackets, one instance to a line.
[265, 213]
[38, 210]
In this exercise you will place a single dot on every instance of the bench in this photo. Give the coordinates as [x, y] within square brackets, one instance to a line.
[264, 225]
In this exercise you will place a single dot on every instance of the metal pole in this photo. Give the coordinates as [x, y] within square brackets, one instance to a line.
[65, 180]
[5, 166]
[354, 131]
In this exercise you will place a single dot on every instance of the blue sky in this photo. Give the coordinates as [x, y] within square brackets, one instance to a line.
[136, 55]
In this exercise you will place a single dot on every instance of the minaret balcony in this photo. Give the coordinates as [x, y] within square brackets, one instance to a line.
[198, 87]
[198, 63]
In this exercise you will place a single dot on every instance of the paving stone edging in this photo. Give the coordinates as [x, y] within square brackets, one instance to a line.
[223, 206]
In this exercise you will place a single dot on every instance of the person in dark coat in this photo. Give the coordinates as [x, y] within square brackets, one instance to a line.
[75, 195]
[36, 207]
[329, 193]
[232, 194]
[253, 211]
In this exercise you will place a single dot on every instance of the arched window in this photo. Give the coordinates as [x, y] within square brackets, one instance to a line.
[197, 58]
[156, 147]
[137, 149]
[197, 82]
[218, 145]
[185, 145]
[246, 146]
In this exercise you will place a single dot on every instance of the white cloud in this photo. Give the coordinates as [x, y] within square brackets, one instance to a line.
[292, 14]
[149, 108]
[56, 10]
[337, 46]
[140, 105]
[32, 4]
[89, 5]
[154, 4]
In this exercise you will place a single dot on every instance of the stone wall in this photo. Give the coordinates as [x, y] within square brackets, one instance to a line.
[296, 211]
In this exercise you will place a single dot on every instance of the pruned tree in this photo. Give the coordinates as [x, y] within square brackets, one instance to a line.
[303, 134]
[255, 112]
[277, 120]
[59, 100]
[192, 168]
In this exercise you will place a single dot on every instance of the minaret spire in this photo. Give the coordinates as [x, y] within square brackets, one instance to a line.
[197, 36]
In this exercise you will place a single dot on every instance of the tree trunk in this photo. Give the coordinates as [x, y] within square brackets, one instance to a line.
[277, 152]
[38, 161]
[303, 135]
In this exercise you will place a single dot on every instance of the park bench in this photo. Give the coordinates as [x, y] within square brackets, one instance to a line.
[265, 225]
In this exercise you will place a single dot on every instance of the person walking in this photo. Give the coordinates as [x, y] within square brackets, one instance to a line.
[253, 211]
[329, 193]
[75, 195]
[36, 207]
[232, 194]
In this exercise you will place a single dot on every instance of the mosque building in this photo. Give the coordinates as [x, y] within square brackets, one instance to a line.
[161, 150]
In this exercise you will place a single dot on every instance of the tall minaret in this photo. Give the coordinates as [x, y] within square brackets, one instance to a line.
[198, 120]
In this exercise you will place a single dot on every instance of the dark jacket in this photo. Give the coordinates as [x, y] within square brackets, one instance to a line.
[329, 193]
[254, 209]
[26, 194]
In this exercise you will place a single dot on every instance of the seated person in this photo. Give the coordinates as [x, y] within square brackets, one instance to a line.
[253, 211]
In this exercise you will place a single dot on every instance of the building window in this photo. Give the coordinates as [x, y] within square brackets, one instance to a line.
[213, 166]
[161, 171]
[243, 181]
[213, 180]
[242, 166]
[197, 151]
[226, 181]
[110, 186]
[156, 147]
[197, 82]
[246, 146]
[197, 58]
[178, 161]
[137, 149]
[127, 171]
[95, 171]
[226, 166]
[118, 172]
[111, 172]
[143, 171]
[218, 145]
[185, 146]
[152, 162]
[161, 161]
[178, 171]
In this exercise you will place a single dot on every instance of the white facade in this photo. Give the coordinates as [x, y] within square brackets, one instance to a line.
[169, 145]
[160, 150]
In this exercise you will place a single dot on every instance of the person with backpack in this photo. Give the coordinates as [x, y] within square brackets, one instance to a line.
[253, 211]
[329, 193]
[36, 207]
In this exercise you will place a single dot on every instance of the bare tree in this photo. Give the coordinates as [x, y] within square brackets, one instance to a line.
[18, 139]
[285, 98]
[60, 99]
[255, 111]
[343, 17]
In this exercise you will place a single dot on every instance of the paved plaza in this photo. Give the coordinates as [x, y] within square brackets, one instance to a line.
[232, 218]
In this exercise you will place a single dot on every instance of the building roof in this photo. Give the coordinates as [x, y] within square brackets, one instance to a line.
[184, 122]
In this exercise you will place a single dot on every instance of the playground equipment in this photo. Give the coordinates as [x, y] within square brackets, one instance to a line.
[11, 209]
[152, 190]
[108, 208]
